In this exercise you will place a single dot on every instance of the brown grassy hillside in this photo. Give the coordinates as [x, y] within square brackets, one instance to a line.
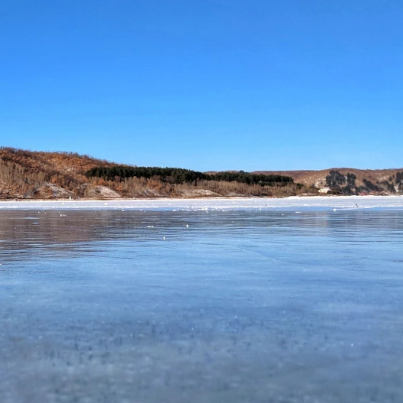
[46, 175]
[27, 174]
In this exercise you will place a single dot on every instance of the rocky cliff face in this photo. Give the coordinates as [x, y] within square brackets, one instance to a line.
[350, 180]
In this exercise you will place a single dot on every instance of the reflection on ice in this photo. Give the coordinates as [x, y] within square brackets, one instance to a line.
[241, 305]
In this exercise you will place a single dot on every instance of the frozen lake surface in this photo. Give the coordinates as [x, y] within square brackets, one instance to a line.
[317, 202]
[202, 302]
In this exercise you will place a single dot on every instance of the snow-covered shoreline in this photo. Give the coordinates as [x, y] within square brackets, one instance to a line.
[316, 202]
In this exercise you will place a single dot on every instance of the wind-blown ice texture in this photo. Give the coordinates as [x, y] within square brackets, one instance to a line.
[240, 306]
[319, 203]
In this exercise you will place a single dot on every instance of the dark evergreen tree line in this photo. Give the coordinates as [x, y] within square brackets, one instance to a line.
[180, 176]
[173, 175]
[251, 179]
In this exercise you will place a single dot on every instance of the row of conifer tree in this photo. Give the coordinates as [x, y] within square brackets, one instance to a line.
[180, 175]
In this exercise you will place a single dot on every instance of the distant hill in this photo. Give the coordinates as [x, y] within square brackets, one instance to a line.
[47, 175]
[349, 180]
[28, 174]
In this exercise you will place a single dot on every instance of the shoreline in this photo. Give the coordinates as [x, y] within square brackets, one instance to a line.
[222, 203]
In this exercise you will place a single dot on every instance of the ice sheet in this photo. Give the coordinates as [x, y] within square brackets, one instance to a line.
[232, 306]
[318, 203]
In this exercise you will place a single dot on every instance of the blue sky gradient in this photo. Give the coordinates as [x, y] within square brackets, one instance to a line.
[206, 85]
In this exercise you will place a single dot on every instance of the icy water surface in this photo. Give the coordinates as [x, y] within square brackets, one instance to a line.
[201, 307]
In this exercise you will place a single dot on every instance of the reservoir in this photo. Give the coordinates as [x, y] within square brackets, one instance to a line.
[179, 305]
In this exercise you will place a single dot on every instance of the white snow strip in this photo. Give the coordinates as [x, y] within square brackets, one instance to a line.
[317, 202]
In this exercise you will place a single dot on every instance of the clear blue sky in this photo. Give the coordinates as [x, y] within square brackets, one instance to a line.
[206, 84]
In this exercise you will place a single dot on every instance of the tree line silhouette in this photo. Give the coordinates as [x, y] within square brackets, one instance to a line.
[181, 176]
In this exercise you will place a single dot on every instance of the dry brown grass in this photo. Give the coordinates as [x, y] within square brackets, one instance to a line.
[28, 174]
